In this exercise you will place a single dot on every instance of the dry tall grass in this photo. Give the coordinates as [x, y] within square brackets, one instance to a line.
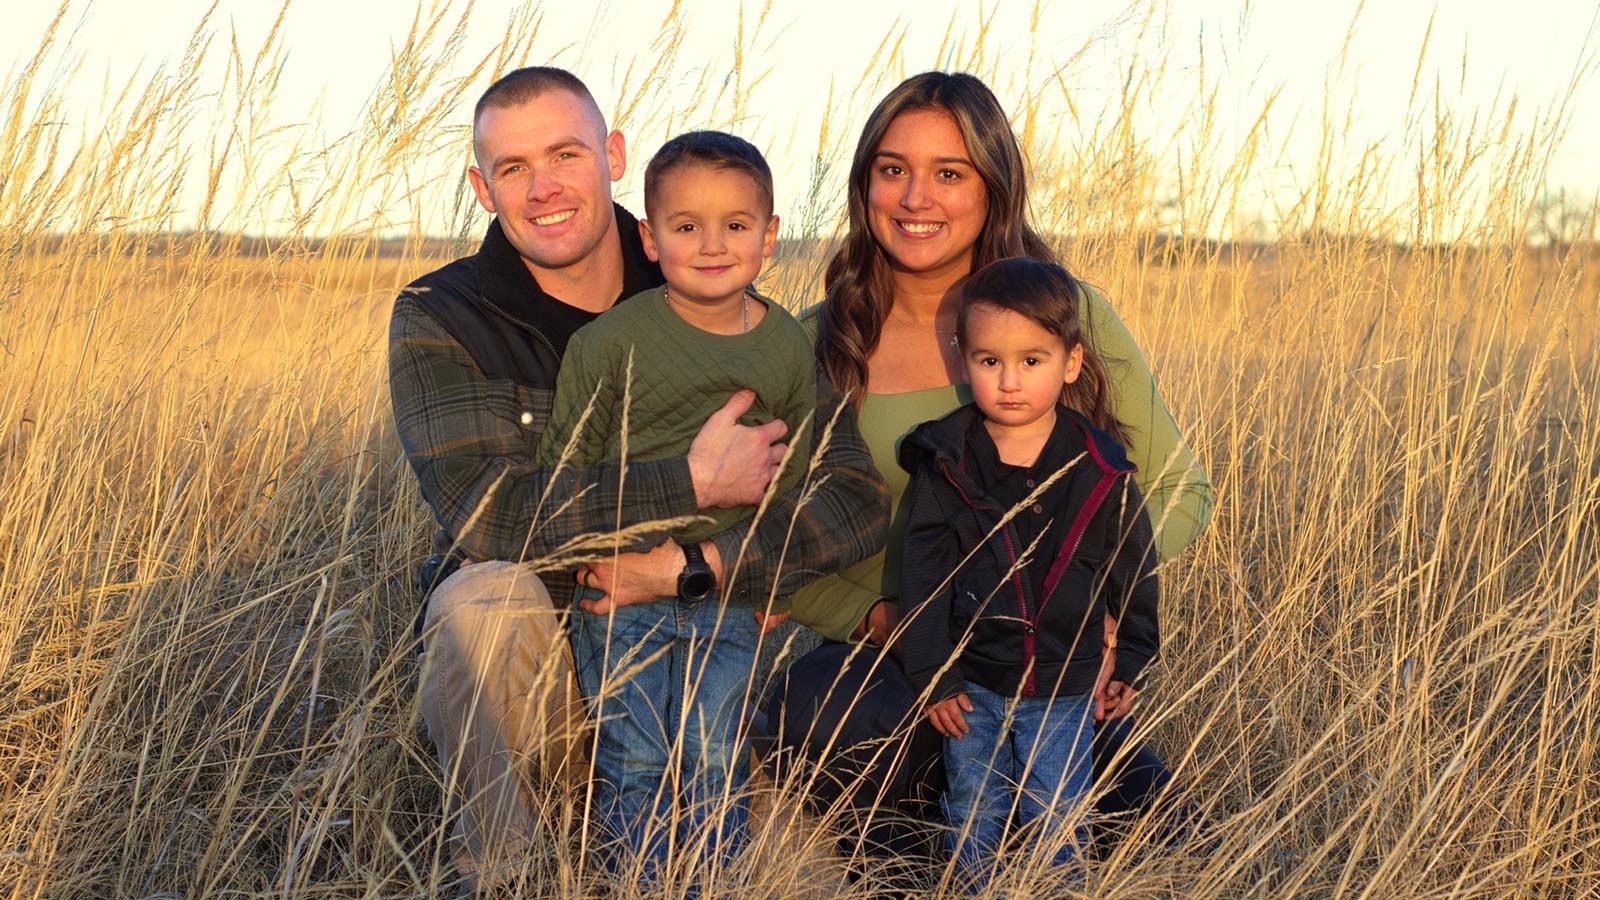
[1379, 676]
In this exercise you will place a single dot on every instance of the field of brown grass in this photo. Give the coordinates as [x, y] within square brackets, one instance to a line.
[1379, 672]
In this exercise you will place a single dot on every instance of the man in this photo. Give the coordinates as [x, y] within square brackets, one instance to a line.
[473, 352]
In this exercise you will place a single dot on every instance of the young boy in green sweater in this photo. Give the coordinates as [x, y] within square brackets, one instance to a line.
[667, 681]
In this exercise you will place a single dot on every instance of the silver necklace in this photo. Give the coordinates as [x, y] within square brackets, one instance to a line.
[938, 332]
[744, 311]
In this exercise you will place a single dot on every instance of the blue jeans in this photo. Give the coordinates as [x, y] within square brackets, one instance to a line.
[1030, 754]
[667, 683]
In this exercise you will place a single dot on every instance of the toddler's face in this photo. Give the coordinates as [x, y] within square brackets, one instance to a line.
[1016, 367]
[710, 231]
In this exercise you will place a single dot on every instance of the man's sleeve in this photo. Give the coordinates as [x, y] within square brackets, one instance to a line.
[837, 515]
[471, 444]
[1178, 496]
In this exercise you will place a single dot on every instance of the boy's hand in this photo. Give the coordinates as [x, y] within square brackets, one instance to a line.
[947, 718]
[1114, 701]
[769, 622]
[731, 464]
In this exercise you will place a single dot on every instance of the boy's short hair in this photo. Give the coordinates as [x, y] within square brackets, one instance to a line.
[716, 149]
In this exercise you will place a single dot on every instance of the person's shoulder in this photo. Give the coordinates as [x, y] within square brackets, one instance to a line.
[941, 437]
[787, 324]
[1079, 431]
[1095, 303]
[451, 283]
[810, 319]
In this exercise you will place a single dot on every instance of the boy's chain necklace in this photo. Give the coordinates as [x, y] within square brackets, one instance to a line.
[744, 310]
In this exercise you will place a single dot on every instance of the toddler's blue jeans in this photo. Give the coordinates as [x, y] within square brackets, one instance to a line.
[1029, 754]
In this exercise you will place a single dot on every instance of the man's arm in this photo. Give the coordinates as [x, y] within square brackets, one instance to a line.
[837, 515]
[471, 443]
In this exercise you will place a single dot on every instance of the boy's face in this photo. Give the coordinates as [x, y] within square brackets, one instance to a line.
[709, 229]
[1016, 368]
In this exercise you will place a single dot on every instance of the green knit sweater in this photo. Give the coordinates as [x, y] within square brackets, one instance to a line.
[654, 379]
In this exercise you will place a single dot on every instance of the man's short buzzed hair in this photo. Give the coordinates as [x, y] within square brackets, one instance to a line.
[529, 83]
[715, 149]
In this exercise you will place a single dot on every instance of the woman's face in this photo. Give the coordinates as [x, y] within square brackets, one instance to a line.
[926, 202]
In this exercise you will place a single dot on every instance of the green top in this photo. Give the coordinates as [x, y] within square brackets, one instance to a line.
[680, 375]
[1177, 494]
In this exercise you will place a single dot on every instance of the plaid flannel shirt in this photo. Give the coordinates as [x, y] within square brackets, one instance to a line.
[471, 431]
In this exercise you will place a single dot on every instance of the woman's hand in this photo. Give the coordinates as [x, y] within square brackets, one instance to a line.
[947, 718]
[879, 626]
[769, 621]
[1114, 701]
[1108, 664]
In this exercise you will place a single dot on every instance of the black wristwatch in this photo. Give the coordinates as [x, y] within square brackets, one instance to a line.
[695, 582]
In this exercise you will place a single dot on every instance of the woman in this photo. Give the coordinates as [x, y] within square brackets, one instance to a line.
[937, 190]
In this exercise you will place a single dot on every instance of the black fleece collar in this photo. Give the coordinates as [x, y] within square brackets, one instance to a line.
[509, 284]
[947, 438]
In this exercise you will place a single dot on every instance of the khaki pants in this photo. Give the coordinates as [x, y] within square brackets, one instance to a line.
[502, 709]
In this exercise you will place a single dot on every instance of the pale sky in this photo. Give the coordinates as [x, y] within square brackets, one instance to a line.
[1537, 52]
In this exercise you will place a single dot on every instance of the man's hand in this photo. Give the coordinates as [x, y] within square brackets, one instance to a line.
[947, 718]
[632, 578]
[730, 463]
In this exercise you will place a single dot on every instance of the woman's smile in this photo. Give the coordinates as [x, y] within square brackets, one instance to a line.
[926, 202]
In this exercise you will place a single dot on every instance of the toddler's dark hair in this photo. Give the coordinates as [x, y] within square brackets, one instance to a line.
[716, 149]
[1049, 296]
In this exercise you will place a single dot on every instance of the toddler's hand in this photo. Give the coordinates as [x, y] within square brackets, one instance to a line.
[947, 718]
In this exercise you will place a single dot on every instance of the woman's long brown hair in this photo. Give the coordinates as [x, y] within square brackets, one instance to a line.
[857, 283]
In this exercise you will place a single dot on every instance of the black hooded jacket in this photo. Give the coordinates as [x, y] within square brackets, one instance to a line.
[961, 581]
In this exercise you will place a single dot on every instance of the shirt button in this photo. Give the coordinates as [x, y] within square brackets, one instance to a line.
[1037, 509]
[527, 418]
[1031, 483]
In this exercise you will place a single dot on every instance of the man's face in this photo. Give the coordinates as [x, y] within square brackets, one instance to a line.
[545, 167]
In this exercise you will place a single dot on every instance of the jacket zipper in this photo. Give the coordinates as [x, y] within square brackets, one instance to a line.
[525, 326]
[1029, 629]
[1030, 622]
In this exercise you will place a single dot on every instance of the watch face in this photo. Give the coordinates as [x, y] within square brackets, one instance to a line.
[695, 585]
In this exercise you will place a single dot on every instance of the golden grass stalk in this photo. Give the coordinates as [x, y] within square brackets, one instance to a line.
[1379, 674]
